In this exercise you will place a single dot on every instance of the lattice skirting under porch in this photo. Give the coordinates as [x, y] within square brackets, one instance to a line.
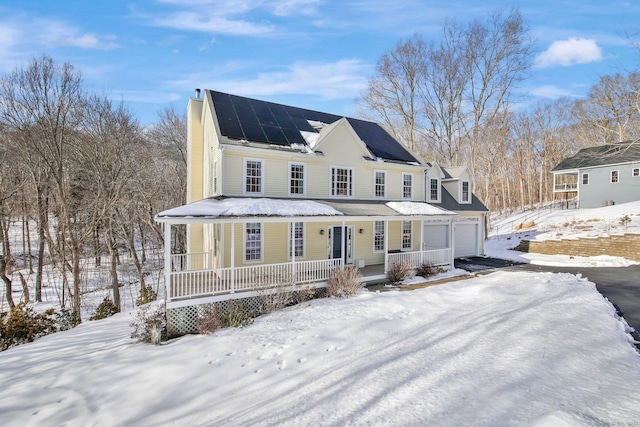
[183, 320]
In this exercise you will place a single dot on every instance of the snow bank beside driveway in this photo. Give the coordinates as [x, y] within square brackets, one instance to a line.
[502, 349]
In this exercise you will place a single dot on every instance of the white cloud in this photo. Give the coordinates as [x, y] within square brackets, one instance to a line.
[195, 21]
[550, 91]
[569, 52]
[344, 79]
[295, 7]
[334, 80]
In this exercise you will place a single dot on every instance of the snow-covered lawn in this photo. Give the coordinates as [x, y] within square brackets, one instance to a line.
[562, 224]
[498, 350]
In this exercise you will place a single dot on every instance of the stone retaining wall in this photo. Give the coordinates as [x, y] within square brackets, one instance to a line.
[625, 245]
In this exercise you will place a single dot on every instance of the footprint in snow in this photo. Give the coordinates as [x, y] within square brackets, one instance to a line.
[282, 364]
[302, 360]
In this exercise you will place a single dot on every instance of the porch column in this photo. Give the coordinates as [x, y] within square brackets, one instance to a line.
[233, 259]
[344, 240]
[386, 245]
[167, 262]
[452, 239]
[292, 241]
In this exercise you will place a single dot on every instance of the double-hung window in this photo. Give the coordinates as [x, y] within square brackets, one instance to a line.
[379, 184]
[341, 182]
[296, 239]
[378, 236]
[434, 190]
[406, 234]
[253, 241]
[407, 186]
[466, 192]
[297, 179]
[253, 176]
[585, 179]
[614, 176]
[635, 172]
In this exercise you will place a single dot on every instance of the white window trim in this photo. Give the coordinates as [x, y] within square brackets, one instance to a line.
[215, 178]
[244, 176]
[617, 181]
[582, 177]
[304, 241]
[353, 182]
[374, 237]
[402, 186]
[635, 172]
[244, 244]
[384, 173]
[410, 234]
[304, 179]
[466, 202]
[439, 198]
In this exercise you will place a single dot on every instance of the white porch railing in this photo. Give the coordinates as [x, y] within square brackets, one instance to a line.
[209, 282]
[435, 257]
[565, 187]
[193, 261]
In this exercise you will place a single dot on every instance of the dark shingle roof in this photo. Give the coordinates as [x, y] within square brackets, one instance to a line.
[449, 203]
[280, 125]
[610, 154]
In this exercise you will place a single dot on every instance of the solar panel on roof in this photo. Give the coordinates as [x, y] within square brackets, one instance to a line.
[275, 135]
[268, 122]
[379, 142]
[253, 132]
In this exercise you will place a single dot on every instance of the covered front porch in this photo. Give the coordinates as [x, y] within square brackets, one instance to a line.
[248, 255]
[192, 278]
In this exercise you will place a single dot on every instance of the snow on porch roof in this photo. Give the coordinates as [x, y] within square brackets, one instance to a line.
[265, 207]
[234, 207]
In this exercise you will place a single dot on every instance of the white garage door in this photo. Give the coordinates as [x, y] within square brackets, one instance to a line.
[466, 238]
[436, 236]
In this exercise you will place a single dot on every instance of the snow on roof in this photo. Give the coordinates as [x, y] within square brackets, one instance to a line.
[250, 207]
[310, 137]
[416, 208]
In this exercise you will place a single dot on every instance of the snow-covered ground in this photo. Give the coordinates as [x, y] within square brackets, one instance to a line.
[508, 348]
[545, 224]
[502, 349]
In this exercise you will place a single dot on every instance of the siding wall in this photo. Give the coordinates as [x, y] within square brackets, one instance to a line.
[601, 189]
[275, 241]
[339, 149]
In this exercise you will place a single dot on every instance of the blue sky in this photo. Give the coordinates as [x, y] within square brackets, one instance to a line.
[315, 54]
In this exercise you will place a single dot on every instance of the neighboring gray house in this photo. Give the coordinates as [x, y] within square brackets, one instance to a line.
[600, 176]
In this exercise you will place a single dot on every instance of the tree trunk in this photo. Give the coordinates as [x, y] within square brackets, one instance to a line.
[25, 289]
[43, 214]
[113, 267]
[7, 282]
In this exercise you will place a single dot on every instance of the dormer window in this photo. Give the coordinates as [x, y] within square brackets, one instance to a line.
[434, 190]
[465, 193]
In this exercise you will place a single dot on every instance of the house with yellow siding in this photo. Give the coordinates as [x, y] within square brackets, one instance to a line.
[283, 194]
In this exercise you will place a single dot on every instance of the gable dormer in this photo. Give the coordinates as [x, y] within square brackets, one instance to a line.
[433, 183]
[459, 183]
[340, 143]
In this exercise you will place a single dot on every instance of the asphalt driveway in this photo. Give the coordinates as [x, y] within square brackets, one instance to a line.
[620, 285]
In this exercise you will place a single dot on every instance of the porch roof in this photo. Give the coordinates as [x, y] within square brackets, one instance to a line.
[238, 207]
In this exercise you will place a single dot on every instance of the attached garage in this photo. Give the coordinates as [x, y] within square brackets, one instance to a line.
[466, 239]
[435, 236]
